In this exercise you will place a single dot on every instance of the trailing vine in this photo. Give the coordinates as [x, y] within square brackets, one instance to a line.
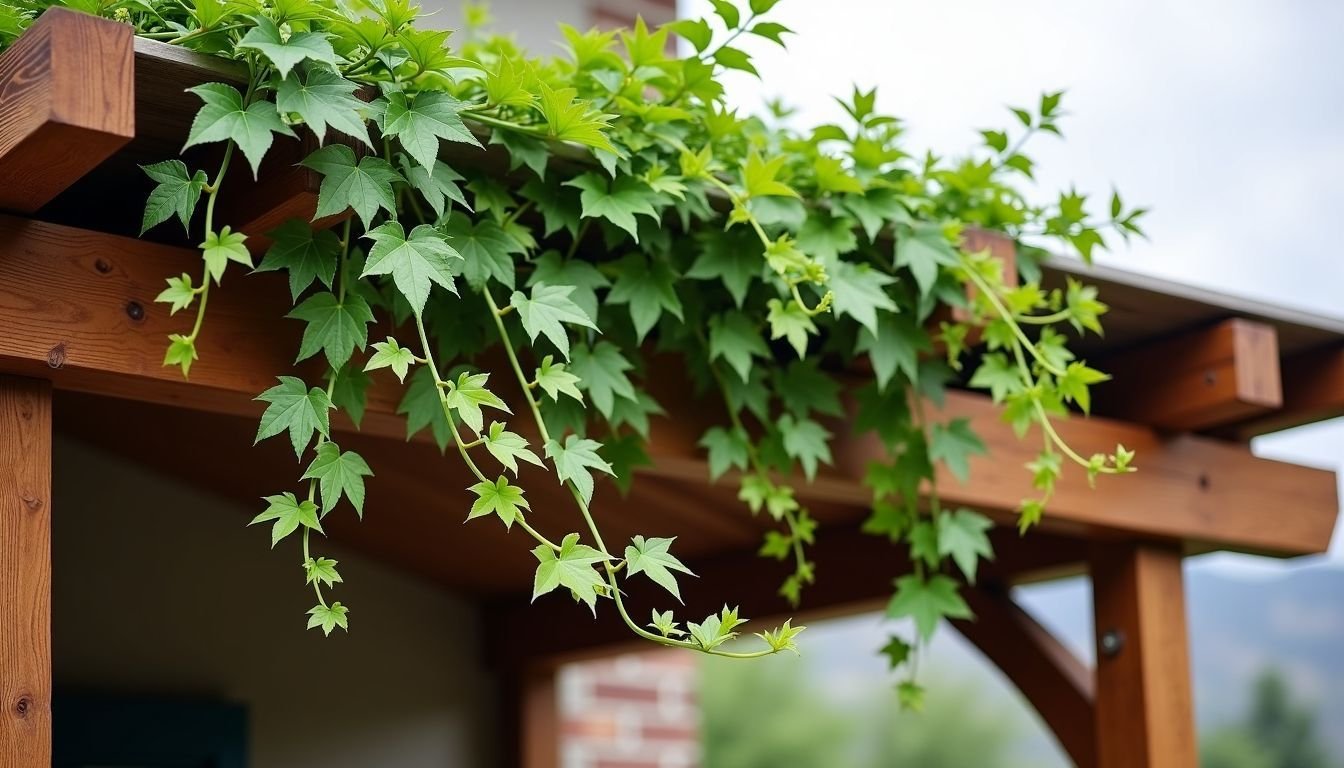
[789, 270]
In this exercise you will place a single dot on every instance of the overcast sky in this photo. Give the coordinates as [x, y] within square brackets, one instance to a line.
[1227, 118]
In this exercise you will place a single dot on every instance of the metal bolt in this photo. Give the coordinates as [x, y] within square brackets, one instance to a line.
[1112, 640]
[135, 311]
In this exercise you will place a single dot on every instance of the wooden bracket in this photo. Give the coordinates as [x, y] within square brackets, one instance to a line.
[67, 102]
[25, 573]
[1313, 390]
[1198, 380]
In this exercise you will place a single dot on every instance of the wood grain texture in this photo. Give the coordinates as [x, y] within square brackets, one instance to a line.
[25, 573]
[1144, 706]
[66, 104]
[1198, 380]
[1059, 686]
[1313, 390]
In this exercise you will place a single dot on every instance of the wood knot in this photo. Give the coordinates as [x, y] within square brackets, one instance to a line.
[1204, 481]
[103, 266]
[22, 706]
[135, 311]
[56, 357]
[31, 502]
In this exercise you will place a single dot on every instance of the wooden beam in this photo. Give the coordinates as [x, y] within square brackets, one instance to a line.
[25, 573]
[1049, 675]
[1144, 711]
[539, 719]
[66, 104]
[1313, 390]
[1195, 381]
[77, 307]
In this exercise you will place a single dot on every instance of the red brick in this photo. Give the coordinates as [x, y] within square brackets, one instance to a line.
[603, 690]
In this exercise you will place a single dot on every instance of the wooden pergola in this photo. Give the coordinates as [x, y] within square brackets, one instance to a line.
[81, 344]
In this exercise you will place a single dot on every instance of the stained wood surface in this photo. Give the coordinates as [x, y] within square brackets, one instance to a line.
[65, 104]
[1144, 706]
[1198, 380]
[25, 573]
[1056, 682]
[1313, 390]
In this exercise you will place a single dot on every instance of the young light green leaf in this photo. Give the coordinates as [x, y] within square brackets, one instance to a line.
[328, 617]
[223, 118]
[335, 327]
[568, 119]
[651, 558]
[507, 447]
[554, 380]
[572, 567]
[294, 407]
[666, 624]
[468, 394]
[962, 535]
[791, 321]
[390, 354]
[927, 602]
[414, 262]
[285, 52]
[321, 570]
[222, 247]
[546, 310]
[179, 294]
[177, 192]
[498, 498]
[573, 461]
[339, 473]
[181, 352]
[287, 513]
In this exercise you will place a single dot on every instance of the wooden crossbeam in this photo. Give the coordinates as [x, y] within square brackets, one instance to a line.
[66, 104]
[25, 573]
[66, 301]
[1144, 716]
[1057, 683]
[1313, 390]
[1196, 381]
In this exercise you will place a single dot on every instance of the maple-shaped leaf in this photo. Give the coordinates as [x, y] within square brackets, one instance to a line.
[498, 498]
[727, 449]
[730, 258]
[923, 251]
[363, 186]
[222, 247]
[295, 407]
[284, 52]
[806, 441]
[179, 294]
[857, 290]
[437, 183]
[487, 250]
[508, 447]
[897, 651]
[323, 98]
[414, 261]
[329, 617]
[552, 269]
[962, 536]
[468, 394]
[423, 407]
[176, 192]
[999, 375]
[545, 312]
[791, 321]
[573, 461]
[349, 391]
[336, 327]
[287, 513]
[648, 287]
[759, 176]
[305, 254]
[894, 345]
[339, 473]
[954, 443]
[223, 118]
[651, 558]
[927, 602]
[601, 371]
[572, 567]
[390, 354]
[804, 388]
[570, 119]
[735, 338]
[419, 123]
[554, 379]
[618, 200]
[321, 570]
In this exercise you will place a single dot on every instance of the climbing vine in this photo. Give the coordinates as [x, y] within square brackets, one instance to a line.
[789, 270]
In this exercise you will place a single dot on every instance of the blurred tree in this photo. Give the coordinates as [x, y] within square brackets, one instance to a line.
[1277, 733]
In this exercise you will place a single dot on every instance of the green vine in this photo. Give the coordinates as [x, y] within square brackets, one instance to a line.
[789, 270]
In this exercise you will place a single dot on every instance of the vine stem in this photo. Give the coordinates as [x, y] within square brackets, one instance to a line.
[1010, 319]
[608, 566]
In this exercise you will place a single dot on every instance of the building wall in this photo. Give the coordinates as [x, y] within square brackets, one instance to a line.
[160, 589]
[533, 23]
[633, 711]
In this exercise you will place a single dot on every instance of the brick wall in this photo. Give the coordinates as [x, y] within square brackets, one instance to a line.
[636, 711]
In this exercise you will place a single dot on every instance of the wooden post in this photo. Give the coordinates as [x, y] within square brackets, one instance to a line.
[540, 726]
[1144, 708]
[25, 573]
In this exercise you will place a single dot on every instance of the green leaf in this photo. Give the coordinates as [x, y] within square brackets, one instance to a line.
[792, 322]
[321, 570]
[305, 254]
[924, 543]
[953, 443]
[177, 192]
[617, 201]
[927, 602]
[328, 617]
[554, 379]
[1073, 385]
[724, 258]
[735, 58]
[574, 460]
[806, 441]
[999, 375]
[415, 262]
[179, 294]
[285, 53]
[759, 176]
[294, 407]
[390, 354]
[545, 312]
[665, 624]
[551, 269]
[804, 388]
[423, 407]
[223, 118]
[858, 291]
[498, 498]
[734, 337]
[335, 327]
[923, 251]
[181, 352]
[420, 124]
[728, 12]
[897, 651]
[363, 186]
[568, 119]
[287, 513]
[571, 567]
[961, 535]
[507, 447]
[487, 250]
[894, 346]
[468, 394]
[349, 392]
[727, 449]
[324, 98]
[601, 371]
[222, 247]
[651, 558]
[647, 286]
[339, 473]
[438, 186]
